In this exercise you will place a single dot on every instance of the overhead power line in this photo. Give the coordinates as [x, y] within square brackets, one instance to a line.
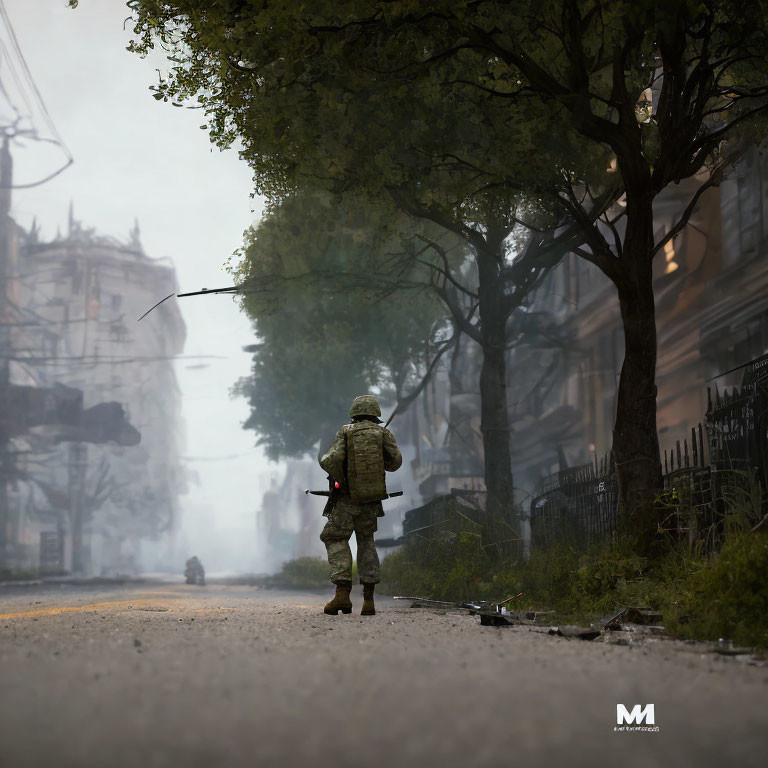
[32, 101]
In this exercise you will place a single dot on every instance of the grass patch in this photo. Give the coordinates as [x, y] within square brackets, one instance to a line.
[306, 573]
[19, 574]
[728, 596]
[703, 596]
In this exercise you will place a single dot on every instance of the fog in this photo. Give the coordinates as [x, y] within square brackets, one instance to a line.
[139, 159]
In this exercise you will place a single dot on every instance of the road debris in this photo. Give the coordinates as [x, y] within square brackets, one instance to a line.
[583, 633]
[641, 616]
[613, 622]
[425, 602]
[630, 625]
[533, 615]
[734, 651]
[726, 648]
[509, 600]
[618, 638]
[496, 619]
[491, 614]
[473, 606]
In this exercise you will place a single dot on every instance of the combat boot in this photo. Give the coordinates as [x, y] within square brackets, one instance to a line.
[341, 602]
[368, 607]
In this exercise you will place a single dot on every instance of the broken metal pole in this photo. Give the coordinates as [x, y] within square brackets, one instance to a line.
[229, 289]
[472, 606]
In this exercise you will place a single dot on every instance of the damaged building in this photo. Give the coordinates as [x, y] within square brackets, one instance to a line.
[568, 416]
[562, 377]
[87, 487]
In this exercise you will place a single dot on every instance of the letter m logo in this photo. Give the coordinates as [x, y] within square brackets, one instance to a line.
[637, 715]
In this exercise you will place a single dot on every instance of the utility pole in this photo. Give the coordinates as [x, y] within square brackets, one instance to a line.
[6, 271]
[78, 461]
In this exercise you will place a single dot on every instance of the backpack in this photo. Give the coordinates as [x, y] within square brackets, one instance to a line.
[365, 462]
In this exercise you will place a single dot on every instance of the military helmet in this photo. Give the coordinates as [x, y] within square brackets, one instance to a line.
[365, 405]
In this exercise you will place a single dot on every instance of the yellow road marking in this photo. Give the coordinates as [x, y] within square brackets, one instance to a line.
[71, 608]
[149, 594]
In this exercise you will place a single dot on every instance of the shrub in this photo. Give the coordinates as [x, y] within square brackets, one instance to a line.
[307, 573]
[701, 596]
[304, 573]
[728, 595]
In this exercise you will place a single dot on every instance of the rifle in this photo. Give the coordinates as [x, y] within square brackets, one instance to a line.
[334, 489]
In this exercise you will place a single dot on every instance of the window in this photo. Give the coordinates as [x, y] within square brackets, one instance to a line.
[750, 204]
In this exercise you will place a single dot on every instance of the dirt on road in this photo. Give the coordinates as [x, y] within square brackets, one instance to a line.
[172, 675]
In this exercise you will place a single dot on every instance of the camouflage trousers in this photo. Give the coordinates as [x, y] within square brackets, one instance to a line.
[345, 519]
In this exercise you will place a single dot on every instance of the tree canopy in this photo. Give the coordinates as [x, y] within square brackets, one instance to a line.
[360, 95]
[315, 287]
[568, 116]
[313, 110]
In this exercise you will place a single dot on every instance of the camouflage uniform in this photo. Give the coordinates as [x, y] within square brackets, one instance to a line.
[348, 516]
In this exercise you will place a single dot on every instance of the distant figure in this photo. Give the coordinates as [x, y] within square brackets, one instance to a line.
[194, 572]
[355, 463]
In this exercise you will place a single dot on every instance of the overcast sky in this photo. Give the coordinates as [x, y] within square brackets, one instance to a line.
[135, 157]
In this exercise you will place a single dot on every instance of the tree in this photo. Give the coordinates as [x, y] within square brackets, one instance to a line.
[675, 90]
[315, 288]
[261, 75]
[336, 254]
[658, 85]
[464, 111]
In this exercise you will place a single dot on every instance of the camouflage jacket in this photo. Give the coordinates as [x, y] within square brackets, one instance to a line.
[334, 460]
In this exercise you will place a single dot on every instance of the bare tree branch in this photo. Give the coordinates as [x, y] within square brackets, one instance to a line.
[404, 403]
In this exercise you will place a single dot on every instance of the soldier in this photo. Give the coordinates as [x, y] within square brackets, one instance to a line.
[357, 460]
[194, 572]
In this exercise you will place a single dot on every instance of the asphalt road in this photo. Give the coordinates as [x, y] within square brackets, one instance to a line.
[174, 675]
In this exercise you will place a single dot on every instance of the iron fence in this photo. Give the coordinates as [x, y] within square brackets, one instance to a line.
[581, 504]
[578, 504]
[701, 478]
[737, 427]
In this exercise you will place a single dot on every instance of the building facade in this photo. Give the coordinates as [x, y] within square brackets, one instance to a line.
[86, 506]
[711, 287]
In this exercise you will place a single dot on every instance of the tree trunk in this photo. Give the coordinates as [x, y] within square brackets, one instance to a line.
[494, 426]
[635, 439]
[494, 423]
